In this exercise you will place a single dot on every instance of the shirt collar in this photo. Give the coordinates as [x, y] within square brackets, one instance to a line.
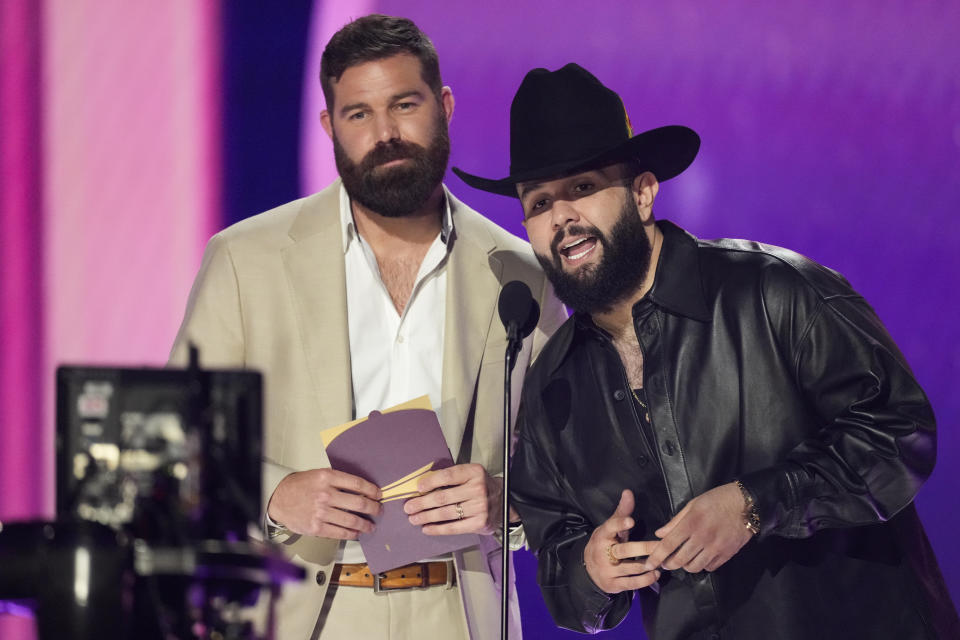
[677, 286]
[349, 229]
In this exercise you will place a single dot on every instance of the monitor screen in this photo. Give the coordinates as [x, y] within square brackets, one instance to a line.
[171, 455]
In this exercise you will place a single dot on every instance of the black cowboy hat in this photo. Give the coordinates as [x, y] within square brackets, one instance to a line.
[566, 120]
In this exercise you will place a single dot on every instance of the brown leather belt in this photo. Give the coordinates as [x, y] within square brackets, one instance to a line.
[411, 576]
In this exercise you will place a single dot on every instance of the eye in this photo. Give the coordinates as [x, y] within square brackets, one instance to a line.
[405, 106]
[537, 206]
[583, 188]
[357, 115]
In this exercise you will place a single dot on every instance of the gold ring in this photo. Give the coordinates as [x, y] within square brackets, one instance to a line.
[610, 556]
[459, 511]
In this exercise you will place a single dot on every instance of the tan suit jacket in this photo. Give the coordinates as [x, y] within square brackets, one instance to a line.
[270, 295]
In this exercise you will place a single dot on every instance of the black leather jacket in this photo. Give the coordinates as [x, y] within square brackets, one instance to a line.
[760, 365]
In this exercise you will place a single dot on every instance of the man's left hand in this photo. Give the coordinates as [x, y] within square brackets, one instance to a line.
[463, 498]
[706, 533]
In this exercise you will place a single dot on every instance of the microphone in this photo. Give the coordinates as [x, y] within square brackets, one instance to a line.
[519, 313]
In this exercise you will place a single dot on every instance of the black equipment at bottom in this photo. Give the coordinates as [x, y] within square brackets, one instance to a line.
[158, 479]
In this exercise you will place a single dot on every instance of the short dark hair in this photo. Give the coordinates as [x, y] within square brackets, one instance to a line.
[376, 37]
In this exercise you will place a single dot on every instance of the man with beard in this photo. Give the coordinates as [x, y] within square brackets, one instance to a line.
[723, 428]
[379, 289]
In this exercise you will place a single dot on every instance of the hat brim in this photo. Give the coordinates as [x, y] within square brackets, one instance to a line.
[665, 151]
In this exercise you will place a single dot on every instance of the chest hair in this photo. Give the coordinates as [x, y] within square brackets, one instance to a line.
[632, 358]
[399, 274]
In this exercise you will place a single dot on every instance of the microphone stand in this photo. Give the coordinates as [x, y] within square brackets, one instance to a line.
[514, 342]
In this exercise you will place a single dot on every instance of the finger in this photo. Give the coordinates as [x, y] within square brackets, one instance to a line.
[447, 513]
[626, 568]
[684, 555]
[343, 519]
[355, 484]
[637, 549]
[665, 530]
[334, 498]
[620, 520]
[664, 549]
[717, 562]
[451, 476]
[614, 525]
[631, 583]
[335, 532]
[442, 497]
[626, 504]
[456, 527]
[699, 563]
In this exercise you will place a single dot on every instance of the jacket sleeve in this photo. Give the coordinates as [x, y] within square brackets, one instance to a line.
[875, 443]
[213, 322]
[558, 533]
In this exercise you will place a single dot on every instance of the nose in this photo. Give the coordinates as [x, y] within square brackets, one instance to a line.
[387, 128]
[563, 213]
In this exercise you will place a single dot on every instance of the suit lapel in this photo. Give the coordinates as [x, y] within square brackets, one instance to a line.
[473, 284]
[316, 274]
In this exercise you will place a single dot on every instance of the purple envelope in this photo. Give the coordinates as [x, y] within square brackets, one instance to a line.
[384, 449]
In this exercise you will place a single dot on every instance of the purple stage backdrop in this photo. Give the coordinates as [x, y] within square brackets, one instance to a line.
[832, 128]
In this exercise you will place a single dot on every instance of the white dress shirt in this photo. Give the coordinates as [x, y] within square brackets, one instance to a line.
[393, 357]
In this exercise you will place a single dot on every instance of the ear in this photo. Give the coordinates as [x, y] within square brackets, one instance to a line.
[447, 101]
[326, 123]
[645, 188]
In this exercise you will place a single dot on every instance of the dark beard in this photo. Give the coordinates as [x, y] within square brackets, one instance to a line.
[395, 192]
[596, 288]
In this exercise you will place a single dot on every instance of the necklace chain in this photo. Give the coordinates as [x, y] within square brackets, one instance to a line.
[642, 403]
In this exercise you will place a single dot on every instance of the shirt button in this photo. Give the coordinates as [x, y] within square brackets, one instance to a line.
[619, 394]
[400, 339]
[321, 578]
[642, 461]
[668, 448]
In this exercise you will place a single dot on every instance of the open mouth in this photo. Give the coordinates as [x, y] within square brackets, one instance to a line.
[577, 250]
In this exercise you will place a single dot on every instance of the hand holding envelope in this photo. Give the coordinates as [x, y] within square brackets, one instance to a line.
[325, 503]
[401, 452]
[463, 498]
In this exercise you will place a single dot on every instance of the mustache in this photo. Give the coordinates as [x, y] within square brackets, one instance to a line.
[389, 151]
[572, 230]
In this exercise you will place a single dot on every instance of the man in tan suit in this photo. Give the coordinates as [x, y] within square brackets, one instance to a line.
[378, 289]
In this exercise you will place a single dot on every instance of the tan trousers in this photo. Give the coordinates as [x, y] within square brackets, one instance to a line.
[435, 613]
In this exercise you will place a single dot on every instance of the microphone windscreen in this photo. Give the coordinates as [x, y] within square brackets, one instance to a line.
[517, 307]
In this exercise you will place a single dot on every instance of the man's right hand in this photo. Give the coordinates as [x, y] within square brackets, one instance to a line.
[325, 503]
[612, 564]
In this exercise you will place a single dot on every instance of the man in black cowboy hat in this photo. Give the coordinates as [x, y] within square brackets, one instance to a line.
[724, 428]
